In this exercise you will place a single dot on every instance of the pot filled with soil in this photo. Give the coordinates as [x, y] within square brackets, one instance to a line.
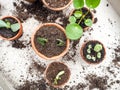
[93, 52]
[81, 18]
[10, 28]
[49, 41]
[57, 74]
[57, 5]
[86, 15]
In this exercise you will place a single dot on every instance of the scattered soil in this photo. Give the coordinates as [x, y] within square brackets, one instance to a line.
[53, 69]
[51, 33]
[116, 61]
[97, 82]
[39, 12]
[18, 44]
[79, 86]
[84, 52]
[38, 85]
[37, 67]
[88, 16]
[8, 33]
[57, 3]
[107, 5]
[95, 20]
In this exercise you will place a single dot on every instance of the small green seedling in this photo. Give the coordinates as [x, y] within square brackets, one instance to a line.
[74, 30]
[97, 48]
[60, 42]
[6, 24]
[42, 41]
[58, 77]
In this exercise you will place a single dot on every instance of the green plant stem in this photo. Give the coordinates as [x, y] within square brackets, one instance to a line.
[83, 16]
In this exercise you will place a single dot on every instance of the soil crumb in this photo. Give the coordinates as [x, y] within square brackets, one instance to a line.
[18, 44]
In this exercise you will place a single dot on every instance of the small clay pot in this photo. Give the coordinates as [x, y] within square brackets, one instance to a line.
[82, 51]
[19, 32]
[52, 70]
[84, 8]
[31, 1]
[42, 55]
[56, 9]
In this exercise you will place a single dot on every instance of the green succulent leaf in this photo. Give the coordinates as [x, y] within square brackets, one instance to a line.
[98, 47]
[93, 58]
[88, 22]
[78, 4]
[2, 24]
[42, 41]
[78, 14]
[15, 27]
[72, 19]
[74, 31]
[99, 55]
[88, 51]
[90, 46]
[88, 57]
[92, 3]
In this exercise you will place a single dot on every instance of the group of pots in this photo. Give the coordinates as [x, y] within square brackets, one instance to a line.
[50, 42]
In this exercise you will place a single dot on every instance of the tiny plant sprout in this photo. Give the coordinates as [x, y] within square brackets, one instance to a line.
[88, 22]
[72, 19]
[42, 41]
[88, 57]
[60, 42]
[98, 47]
[88, 51]
[89, 46]
[6, 24]
[98, 55]
[93, 58]
[58, 77]
[78, 14]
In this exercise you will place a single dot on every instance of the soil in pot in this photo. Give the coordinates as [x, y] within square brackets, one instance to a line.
[57, 3]
[51, 33]
[93, 55]
[88, 16]
[6, 32]
[52, 71]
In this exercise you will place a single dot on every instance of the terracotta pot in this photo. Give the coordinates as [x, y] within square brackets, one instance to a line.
[40, 54]
[56, 9]
[31, 1]
[86, 28]
[51, 84]
[84, 58]
[19, 32]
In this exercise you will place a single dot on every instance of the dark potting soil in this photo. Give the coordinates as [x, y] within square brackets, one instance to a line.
[8, 33]
[18, 44]
[95, 20]
[97, 82]
[93, 43]
[39, 12]
[57, 3]
[51, 33]
[88, 16]
[54, 69]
